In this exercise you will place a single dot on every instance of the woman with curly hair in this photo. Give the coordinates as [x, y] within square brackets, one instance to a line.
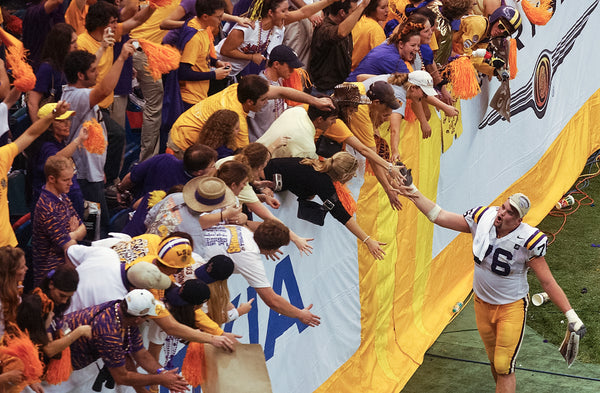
[219, 132]
[397, 54]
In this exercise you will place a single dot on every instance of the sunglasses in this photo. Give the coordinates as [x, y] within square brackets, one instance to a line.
[503, 28]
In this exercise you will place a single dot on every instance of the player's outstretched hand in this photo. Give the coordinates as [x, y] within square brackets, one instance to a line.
[575, 323]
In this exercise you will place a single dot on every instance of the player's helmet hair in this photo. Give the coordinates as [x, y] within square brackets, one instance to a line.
[511, 19]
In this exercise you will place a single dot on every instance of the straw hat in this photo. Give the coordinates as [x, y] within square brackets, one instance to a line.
[205, 194]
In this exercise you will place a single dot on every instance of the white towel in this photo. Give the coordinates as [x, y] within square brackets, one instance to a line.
[481, 240]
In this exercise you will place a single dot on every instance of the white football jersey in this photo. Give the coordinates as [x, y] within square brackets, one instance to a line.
[501, 277]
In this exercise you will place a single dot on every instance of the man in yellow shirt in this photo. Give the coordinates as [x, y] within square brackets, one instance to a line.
[250, 95]
[197, 57]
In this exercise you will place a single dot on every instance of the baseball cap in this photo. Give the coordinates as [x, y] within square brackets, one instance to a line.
[218, 268]
[175, 252]
[48, 108]
[520, 202]
[383, 92]
[423, 80]
[285, 54]
[146, 275]
[193, 291]
[140, 303]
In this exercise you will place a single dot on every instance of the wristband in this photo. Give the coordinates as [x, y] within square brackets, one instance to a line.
[160, 370]
[413, 189]
[433, 214]
[233, 314]
[366, 238]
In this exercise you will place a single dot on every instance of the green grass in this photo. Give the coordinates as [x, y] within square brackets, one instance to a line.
[576, 266]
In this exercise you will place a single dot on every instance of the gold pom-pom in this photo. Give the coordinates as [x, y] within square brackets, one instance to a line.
[161, 58]
[96, 142]
[463, 77]
[539, 15]
[155, 197]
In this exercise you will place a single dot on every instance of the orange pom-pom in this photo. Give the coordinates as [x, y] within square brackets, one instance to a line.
[512, 58]
[193, 368]
[539, 15]
[345, 196]
[463, 77]
[17, 62]
[409, 114]
[59, 370]
[160, 3]
[96, 142]
[298, 80]
[20, 346]
[161, 58]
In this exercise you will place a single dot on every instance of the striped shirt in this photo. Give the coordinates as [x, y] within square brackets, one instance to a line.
[110, 341]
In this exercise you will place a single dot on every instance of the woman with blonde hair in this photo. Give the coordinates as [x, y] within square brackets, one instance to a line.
[309, 177]
[219, 132]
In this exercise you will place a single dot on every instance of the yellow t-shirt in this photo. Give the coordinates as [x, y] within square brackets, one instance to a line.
[76, 17]
[187, 127]
[7, 155]
[138, 247]
[338, 132]
[204, 323]
[150, 30]
[366, 35]
[88, 43]
[360, 121]
[197, 53]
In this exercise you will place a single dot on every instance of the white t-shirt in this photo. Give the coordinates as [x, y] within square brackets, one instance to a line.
[296, 124]
[3, 119]
[256, 40]
[238, 243]
[100, 279]
[501, 277]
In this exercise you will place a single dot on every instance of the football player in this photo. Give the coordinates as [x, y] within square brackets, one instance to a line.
[504, 249]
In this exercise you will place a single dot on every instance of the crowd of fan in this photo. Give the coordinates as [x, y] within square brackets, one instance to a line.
[265, 98]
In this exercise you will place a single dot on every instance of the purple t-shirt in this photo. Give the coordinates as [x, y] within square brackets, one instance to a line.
[123, 86]
[160, 172]
[190, 9]
[36, 26]
[383, 59]
[43, 83]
